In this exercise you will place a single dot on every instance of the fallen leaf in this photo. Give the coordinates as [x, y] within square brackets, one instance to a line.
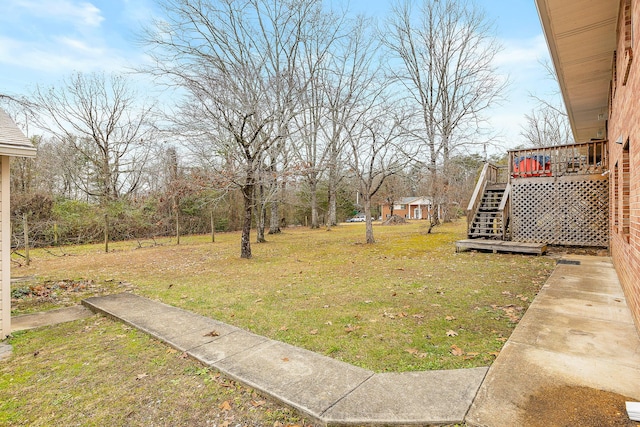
[258, 403]
[456, 351]
[350, 328]
[451, 333]
[285, 359]
[225, 406]
[494, 353]
[450, 318]
[212, 334]
[258, 300]
[471, 355]
[313, 332]
[411, 350]
[141, 376]
[283, 328]
[418, 316]
[329, 322]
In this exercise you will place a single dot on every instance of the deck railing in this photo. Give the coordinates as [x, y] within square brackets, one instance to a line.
[585, 158]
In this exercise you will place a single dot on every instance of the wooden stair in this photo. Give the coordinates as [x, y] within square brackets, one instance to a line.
[487, 220]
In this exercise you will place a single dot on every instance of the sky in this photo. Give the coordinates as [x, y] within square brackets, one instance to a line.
[43, 41]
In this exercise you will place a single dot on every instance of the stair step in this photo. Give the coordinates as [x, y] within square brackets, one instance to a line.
[485, 235]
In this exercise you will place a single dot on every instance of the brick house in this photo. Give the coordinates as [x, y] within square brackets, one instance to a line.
[591, 45]
[12, 143]
[408, 207]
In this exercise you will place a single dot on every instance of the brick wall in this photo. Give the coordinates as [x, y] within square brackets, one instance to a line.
[624, 151]
[386, 212]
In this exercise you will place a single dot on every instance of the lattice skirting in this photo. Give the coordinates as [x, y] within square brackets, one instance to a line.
[561, 212]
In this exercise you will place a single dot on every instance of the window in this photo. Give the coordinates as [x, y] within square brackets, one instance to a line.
[625, 172]
[616, 199]
[627, 26]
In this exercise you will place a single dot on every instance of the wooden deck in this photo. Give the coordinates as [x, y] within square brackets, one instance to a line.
[501, 246]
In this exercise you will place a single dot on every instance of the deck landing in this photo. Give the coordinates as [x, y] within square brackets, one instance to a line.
[501, 246]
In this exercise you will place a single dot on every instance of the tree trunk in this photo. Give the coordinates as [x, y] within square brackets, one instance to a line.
[177, 211]
[106, 233]
[274, 220]
[261, 216]
[314, 205]
[245, 241]
[332, 195]
[369, 222]
[25, 229]
[213, 228]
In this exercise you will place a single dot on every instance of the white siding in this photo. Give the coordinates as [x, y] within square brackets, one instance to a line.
[5, 250]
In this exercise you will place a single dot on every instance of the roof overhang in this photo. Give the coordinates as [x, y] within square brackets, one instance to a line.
[12, 140]
[581, 36]
[15, 151]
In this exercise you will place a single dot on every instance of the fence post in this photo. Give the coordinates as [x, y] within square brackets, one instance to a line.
[25, 230]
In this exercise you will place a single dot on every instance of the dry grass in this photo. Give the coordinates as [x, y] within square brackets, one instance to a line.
[97, 372]
[409, 302]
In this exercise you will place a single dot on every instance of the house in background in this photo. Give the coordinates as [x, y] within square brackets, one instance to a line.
[591, 45]
[12, 143]
[408, 208]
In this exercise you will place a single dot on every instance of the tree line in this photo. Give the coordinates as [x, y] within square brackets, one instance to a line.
[284, 112]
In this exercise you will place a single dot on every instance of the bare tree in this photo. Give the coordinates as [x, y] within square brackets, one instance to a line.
[446, 54]
[237, 62]
[378, 149]
[101, 119]
[353, 70]
[548, 123]
[546, 126]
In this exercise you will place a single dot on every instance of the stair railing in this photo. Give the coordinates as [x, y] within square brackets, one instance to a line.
[478, 192]
[491, 174]
[505, 209]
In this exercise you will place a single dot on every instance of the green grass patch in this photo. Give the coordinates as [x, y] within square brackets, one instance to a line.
[408, 302]
[100, 372]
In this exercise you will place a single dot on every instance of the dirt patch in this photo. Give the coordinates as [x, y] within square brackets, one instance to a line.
[560, 251]
[395, 220]
[577, 406]
[49, 294]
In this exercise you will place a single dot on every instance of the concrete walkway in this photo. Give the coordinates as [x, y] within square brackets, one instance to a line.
[327, 390]
[577, 332]
[51, 317]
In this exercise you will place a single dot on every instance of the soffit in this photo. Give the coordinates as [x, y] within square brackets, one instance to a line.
[581, 35]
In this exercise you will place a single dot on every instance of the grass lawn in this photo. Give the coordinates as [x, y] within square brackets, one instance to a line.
[408, 302]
